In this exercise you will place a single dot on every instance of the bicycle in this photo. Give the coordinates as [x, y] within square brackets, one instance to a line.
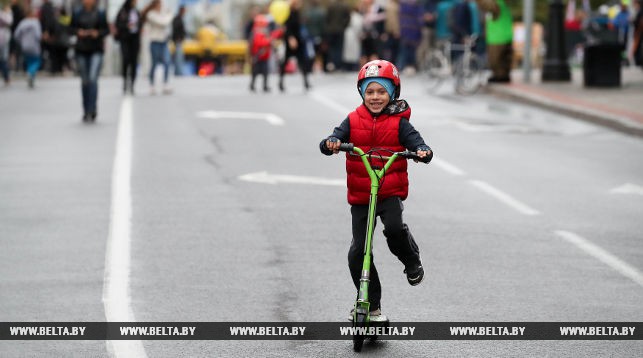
[467, 70]
[361, 317]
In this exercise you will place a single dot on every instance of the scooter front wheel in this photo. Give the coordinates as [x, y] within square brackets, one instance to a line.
[358, 339]
[358, 342]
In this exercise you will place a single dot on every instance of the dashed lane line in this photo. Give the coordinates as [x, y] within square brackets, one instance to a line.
[602, 255]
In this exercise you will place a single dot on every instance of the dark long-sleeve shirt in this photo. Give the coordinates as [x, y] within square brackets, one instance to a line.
[90, 20]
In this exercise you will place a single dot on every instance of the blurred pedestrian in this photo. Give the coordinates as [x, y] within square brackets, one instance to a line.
[374, 17]
[461, 21]
[315, 20]
[637, 43]
[428, 31]
[499, 35]
[477, 30]
[574, 32]
[48, 21]
[338, 17]
[6, 19]
[295, 46]
[128, 32]
[391, 36]
[411, 22]
[621, 23]
[28, 35]
[353, 34]
[159, 21]
[442, 19]
[15, 55]
[247, 28]
[178, 36]
[62, 42]
[89, 24]
[261, 45]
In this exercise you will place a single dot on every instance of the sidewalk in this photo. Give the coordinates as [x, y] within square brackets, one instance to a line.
[620, 108]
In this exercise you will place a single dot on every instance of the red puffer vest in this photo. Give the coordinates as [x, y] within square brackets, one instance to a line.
[367, 132]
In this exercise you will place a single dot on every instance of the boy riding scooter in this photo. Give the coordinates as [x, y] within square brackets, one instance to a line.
[379, 126]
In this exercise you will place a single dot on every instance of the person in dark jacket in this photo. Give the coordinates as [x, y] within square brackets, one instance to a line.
[411, 23]
[128, 33]
[295, 46]
[381, 123]
[338, 17]
[178, 36]
[48, 24]
[6, 19]
[15, 53]
[90, 26]
[637, 42]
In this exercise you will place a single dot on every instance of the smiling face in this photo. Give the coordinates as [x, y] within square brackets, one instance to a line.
[376, 98]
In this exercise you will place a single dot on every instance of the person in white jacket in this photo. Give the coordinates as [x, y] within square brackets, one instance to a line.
[6, 19]
[159, 21]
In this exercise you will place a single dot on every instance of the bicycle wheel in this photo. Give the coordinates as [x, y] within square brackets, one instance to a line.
[435, 71]
[468, 75]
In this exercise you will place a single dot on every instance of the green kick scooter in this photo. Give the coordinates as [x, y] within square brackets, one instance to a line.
[361, 317]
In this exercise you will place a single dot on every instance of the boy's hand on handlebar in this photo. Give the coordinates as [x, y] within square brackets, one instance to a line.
[333, 144]
[422, 154]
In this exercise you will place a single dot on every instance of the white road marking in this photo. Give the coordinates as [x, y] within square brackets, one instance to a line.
[264, 177]
[628, 188]
[504, 197]
[116, 291]
[271, 118]
[602, 255]
[447, 167]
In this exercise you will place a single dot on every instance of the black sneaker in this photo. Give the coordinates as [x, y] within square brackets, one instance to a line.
[414, 274]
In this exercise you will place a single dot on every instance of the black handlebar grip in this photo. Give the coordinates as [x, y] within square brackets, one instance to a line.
[411, 155]
[346, 147]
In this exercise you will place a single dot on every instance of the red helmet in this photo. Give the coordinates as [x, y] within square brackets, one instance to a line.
[380, 68]
[260, 22]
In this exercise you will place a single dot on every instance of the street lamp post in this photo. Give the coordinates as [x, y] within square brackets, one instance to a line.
[556, 67]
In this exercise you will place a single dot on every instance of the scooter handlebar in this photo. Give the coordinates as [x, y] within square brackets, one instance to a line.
[411, 155]
[349, 147]
[346, 147]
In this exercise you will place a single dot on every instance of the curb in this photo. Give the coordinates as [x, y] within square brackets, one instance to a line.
[619, 123]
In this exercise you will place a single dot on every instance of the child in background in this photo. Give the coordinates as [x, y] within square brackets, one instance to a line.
[261, 47]
[28, 34]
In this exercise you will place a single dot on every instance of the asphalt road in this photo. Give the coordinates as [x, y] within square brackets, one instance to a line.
[231, 214]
